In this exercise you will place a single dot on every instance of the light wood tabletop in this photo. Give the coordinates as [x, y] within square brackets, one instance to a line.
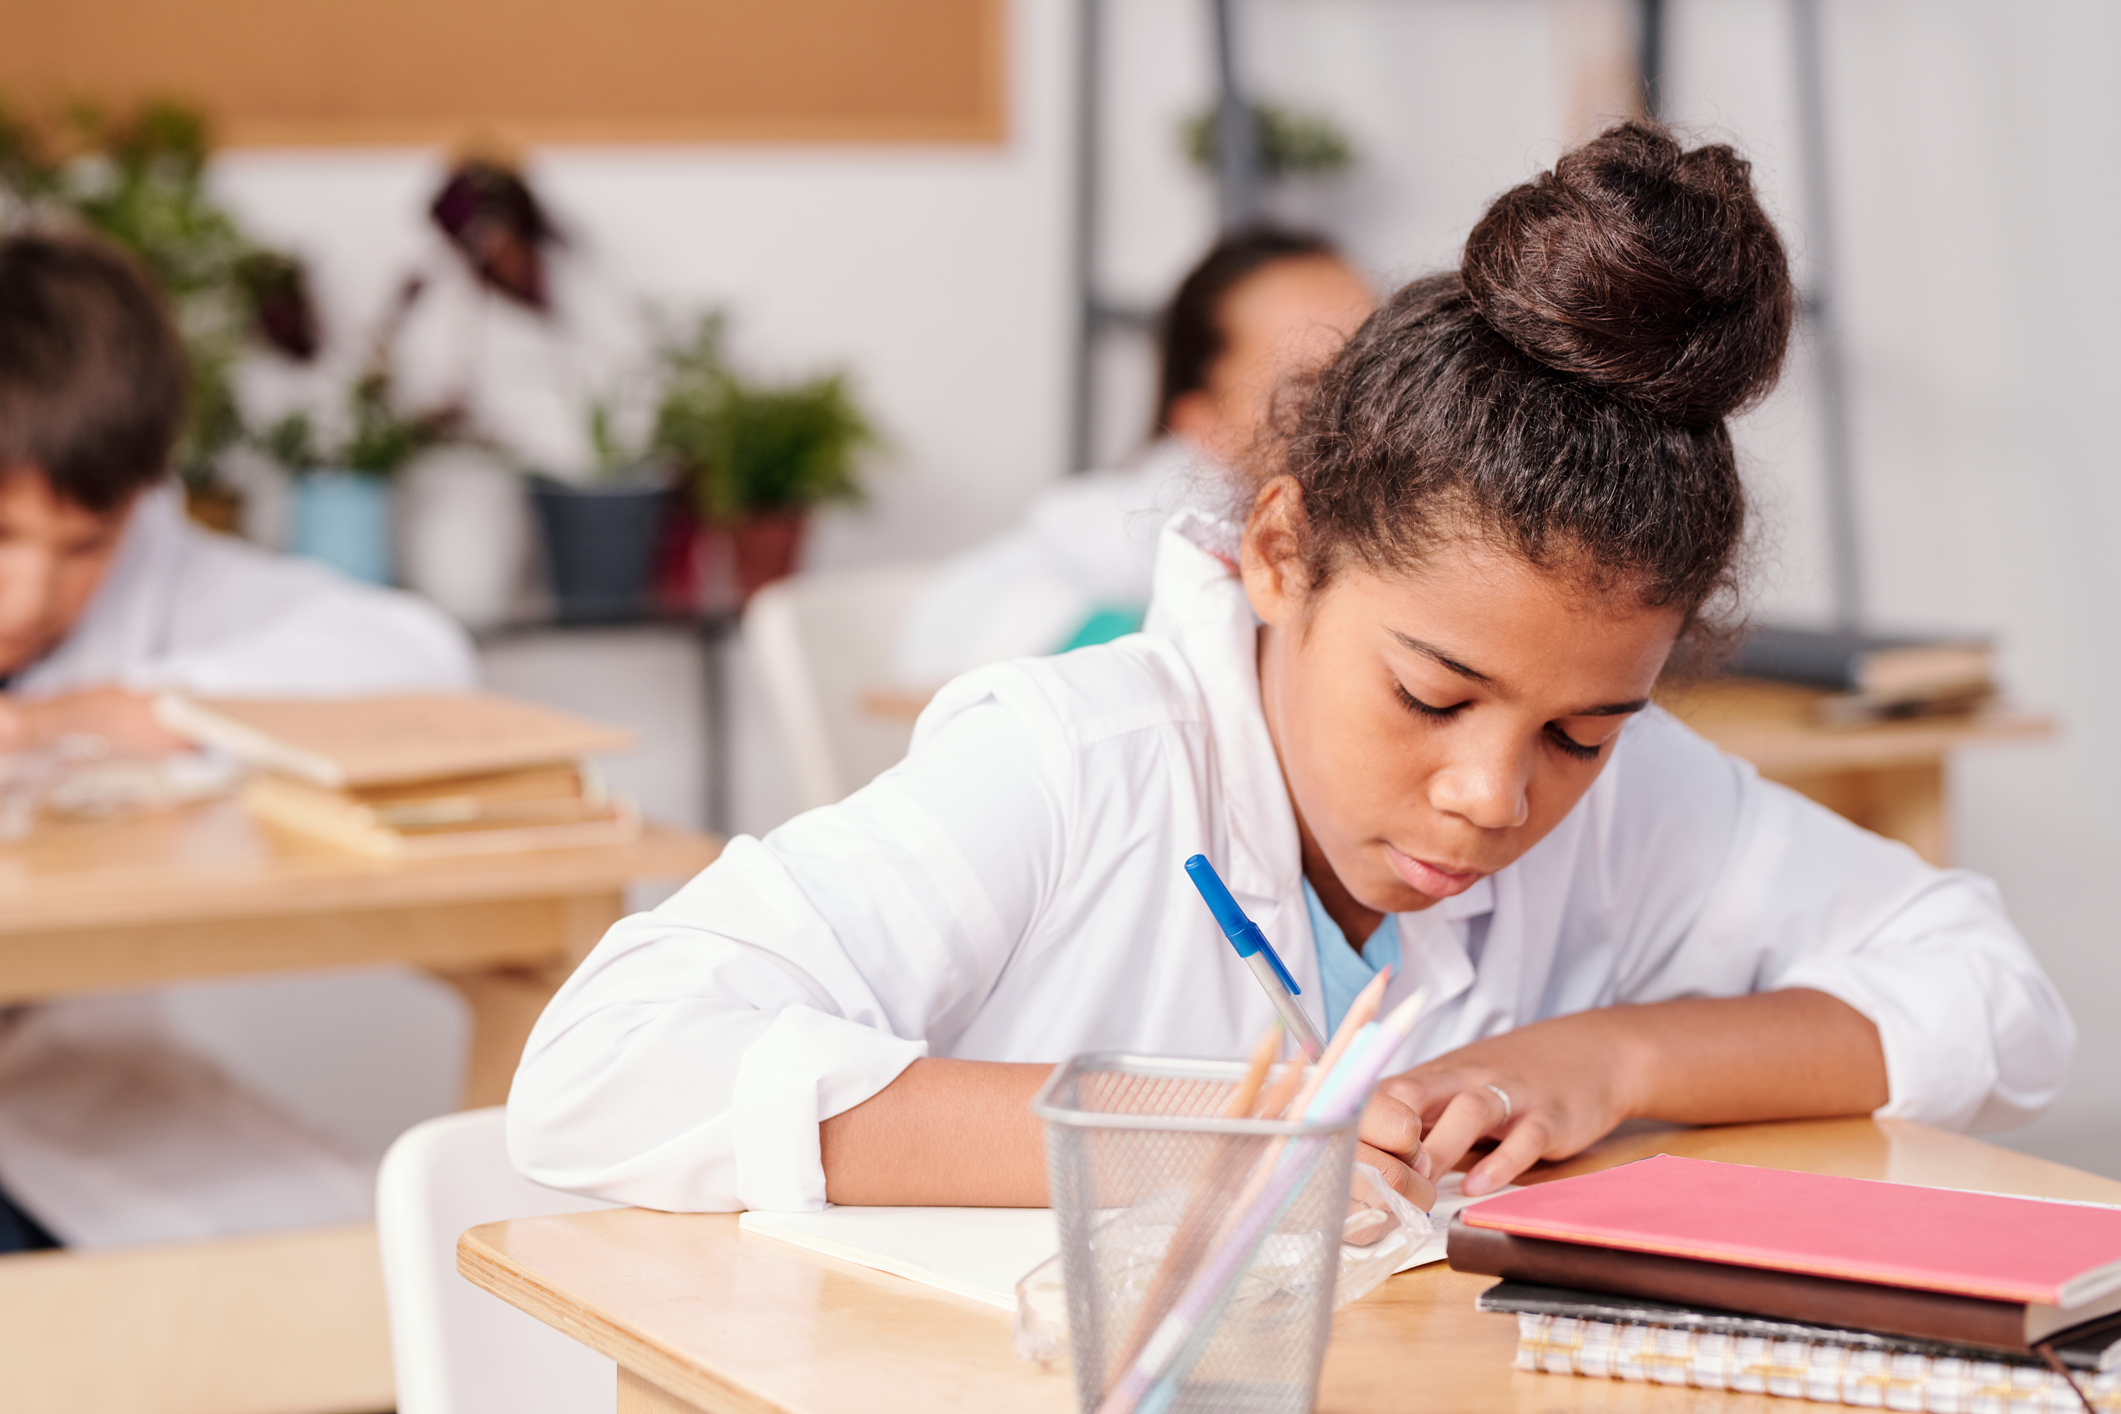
[206, 891]
[701, 1316]
[1776, 727]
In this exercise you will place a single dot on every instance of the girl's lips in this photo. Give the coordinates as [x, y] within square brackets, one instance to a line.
[1427, 878]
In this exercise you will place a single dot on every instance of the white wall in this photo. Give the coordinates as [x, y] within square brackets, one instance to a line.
[1976, 176]
[937, 275]
[1973, 165]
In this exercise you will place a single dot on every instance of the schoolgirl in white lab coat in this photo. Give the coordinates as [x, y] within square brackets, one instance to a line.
[1403, 705]
[110, 1131]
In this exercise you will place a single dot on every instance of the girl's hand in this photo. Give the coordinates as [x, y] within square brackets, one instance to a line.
[1794, 1054]
[1391, 1143]
[1566, 1080]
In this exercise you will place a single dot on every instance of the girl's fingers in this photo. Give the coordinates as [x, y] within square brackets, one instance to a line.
[1398, 1176]
[1519, 1150]
[1391, 1125]
[1471, 1114]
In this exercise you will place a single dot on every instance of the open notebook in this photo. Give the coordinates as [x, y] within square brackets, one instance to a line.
[979, 1252]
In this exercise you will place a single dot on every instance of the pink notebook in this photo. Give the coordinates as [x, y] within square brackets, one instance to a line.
[1933, 1239]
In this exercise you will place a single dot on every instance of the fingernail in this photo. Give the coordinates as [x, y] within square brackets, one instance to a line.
[1424, 1165]
[1476, 1184]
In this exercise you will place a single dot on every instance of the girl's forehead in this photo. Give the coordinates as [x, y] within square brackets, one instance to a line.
[1487, 614]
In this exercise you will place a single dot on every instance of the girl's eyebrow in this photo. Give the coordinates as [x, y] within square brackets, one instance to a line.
[1432, 652]
[1437, 655]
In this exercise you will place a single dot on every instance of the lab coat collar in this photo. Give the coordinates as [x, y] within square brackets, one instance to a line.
[1199, 603]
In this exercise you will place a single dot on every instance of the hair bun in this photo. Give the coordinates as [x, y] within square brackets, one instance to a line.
[1644, 269]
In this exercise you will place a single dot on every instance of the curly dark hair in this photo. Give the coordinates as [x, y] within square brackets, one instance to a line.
[1564, 391]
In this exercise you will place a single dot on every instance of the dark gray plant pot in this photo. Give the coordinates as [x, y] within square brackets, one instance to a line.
[600, 546]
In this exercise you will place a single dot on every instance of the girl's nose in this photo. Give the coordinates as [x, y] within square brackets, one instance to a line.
[1486, 786]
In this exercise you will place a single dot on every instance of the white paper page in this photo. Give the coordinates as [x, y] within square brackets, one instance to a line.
[975, 1252]
[1450, 1201]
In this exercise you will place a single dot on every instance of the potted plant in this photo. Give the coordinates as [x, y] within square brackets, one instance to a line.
[602, 536]
[756, 458]
[342, 492]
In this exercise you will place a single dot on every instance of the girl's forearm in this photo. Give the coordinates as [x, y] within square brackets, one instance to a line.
[946, 1133]
[1793, 1054]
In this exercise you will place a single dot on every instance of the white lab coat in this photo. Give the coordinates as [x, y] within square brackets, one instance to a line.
[1086, 543]
[1012, 891]
[111, 1133]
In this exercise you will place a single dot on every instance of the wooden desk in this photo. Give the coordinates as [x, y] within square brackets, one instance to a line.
[703, 1317]
[1888, 777]
[285, 1323]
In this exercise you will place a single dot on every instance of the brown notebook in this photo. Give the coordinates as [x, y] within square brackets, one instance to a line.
[354, 742]
[1789, 1296]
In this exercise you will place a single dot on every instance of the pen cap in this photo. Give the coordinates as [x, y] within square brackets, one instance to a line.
[1228, 916]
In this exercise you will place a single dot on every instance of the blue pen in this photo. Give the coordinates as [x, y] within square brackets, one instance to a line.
[1258, 953]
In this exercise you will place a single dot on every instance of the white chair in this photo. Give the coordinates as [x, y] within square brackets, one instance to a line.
[457, 1349]
[823, 645]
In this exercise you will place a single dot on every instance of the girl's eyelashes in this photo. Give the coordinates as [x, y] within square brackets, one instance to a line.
[1422, 709]
[1561, 740]
[1570, 746]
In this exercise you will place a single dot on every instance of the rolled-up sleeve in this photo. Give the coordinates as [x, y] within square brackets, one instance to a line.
[1975, 1036]
[688, 1061]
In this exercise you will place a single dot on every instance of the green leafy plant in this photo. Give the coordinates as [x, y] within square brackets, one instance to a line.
[748, 448]
[141, 182]
[378, 440]
[1288, 141]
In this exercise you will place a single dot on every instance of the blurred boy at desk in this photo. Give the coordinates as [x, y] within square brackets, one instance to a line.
[109, 1131]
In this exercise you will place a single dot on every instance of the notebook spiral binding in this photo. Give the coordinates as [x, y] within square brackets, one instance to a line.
[1793, 1369]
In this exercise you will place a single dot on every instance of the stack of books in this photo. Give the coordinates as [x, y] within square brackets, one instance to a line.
[1718, 1276]
[417, 776]
[1871, 677]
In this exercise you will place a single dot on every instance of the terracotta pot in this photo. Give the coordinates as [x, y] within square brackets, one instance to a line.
[766, 547]
[215, 507]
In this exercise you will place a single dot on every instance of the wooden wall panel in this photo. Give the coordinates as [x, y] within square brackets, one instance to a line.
[280, 72]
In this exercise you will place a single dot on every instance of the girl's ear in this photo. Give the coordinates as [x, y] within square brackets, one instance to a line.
[1272, 552]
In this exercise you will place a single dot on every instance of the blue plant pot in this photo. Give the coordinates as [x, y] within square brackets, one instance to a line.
[343, 518]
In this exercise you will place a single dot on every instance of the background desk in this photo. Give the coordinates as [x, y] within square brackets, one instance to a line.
[1889, 777]
[293, 1322]
[703, 1317]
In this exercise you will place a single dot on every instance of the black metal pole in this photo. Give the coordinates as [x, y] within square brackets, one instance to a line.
[1649, 55]
[1236, 139]
[1829, 371]
[1083, 399]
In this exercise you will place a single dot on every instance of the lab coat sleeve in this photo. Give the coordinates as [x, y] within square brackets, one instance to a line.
[687, 1063]
[1974, 1034]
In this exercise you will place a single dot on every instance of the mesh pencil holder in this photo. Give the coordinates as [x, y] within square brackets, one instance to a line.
[1201, 1246]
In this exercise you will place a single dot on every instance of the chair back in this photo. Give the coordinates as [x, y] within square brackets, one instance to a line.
[457, 1349]
[823, 645]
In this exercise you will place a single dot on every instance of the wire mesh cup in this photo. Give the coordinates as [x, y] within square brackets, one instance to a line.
[1199, 1251]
